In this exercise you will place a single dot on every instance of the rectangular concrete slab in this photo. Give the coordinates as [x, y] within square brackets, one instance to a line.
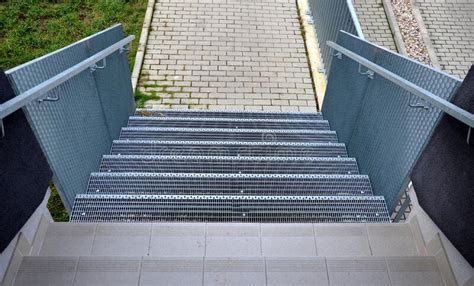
[171, 271]
[391, 240]
[47, 271]
[178, 239]
[232, 240]
[40, 235]
[113, 270]
[296, 271]
[234, 271]
[288, 240]
[417, 235]
[414, 271]
[342, 240]
[68, 239]
[357, 271]
[122, 239]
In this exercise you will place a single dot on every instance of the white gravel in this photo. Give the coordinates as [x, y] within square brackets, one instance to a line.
[410, 31]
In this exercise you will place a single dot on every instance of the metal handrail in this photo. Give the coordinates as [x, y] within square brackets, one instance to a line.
[37, 91]
[446, 106]
[355, 19]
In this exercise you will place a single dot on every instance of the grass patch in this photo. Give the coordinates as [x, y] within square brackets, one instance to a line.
[141, 98]
[55, 205]
[32, 28]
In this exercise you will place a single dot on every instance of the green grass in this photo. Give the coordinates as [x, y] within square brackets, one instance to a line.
[56, 207]
[141, 98]
[30, 29]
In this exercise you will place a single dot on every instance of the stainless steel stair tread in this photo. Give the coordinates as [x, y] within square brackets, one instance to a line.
[226, 114]
[228, 184]
[228, 148]
[228, 164]
[129, 208]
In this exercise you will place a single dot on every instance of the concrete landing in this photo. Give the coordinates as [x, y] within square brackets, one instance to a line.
[228, 240]
[113, 270]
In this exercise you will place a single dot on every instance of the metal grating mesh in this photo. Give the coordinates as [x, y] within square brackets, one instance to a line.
[384, 126]
[227, 134]
[228, 184]
[270, 209]
[330, 17]
[229, 148]
[228, 164]
[228, 114]
[219, 167]
[190, 122]
[76, 130]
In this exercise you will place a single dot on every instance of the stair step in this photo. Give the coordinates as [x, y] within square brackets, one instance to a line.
[190, 239]
[149, 208]
[228, 114]
[228, 148]
[228, 164]
[228, 184]
[230, 270]
[198, 122]
[228, 134]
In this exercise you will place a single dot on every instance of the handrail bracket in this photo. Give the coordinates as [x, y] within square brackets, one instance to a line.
[95, 67]
[369, 73]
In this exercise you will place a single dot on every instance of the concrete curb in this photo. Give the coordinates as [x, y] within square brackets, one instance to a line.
[312, 50]
[142, 44]
[425, 36]
[392, 21]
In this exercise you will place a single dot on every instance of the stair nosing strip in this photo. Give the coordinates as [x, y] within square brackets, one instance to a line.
[243, 197]
[197, 142]
[232, 158]
[230, 175]
[228, 130]
[226, 111]
[219, 119]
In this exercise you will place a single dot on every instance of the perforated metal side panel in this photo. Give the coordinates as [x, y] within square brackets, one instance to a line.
[376, 118]
[123, 208]
[330, 16]
[75, 131]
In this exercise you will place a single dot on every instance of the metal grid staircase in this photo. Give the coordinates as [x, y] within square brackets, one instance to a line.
[213, 166]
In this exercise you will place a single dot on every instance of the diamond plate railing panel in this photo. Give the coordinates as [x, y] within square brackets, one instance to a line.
[384, 126]
[228, 164]
[229, 148]
[270, 209]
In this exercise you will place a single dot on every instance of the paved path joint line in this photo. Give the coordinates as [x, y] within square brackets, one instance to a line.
[227, 54]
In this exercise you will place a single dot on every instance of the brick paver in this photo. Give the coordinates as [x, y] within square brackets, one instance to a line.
[374, 23]
[227, 54]
[450, 25]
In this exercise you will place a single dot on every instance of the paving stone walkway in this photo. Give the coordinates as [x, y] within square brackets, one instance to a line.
[450, 25]
[227, 54]
[374, 23]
